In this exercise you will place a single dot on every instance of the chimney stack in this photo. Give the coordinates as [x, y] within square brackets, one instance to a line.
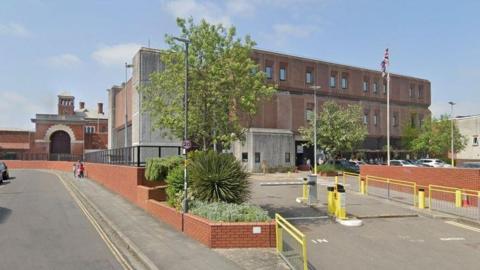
[82, 105]
[100, 108]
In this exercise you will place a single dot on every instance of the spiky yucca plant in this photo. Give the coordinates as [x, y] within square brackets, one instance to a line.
[218, 177]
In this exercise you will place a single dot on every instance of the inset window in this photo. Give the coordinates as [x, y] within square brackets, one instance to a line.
[333, 80]
[344, 81]
[287, 157]
[244, 157]
[257, 157]
[395, 120]
[89, 129]
[269, 72]
[384, 88]
[411, 91]
[283, 74]
[365, 118]
[365, 85]
[375, 87]
[309, 77]
[375, 119]
[420, 91]
[475, 141]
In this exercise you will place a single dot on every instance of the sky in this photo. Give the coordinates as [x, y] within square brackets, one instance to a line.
[51, 46]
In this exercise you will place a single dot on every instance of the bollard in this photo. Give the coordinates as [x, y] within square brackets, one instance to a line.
[312, 189]
[305, 189]
[331, 201]
[362, 187]
[421, 198]
[340, 211]
[458, 198]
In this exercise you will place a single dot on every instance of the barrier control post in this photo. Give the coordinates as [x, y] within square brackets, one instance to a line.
[421, 198]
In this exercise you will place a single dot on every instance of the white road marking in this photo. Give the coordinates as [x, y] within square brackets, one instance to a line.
[452, 239]
[322, 240]
[460, 225]
[315, 242]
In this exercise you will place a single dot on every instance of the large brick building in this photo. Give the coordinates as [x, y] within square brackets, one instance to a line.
[273, 134]
[70, 131]
[15, 142]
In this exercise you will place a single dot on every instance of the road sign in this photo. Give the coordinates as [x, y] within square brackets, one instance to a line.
[187, 144]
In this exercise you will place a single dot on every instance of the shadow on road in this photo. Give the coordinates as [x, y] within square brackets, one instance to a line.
[4, 214]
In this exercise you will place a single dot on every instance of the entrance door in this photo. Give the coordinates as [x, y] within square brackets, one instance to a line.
[59, 144]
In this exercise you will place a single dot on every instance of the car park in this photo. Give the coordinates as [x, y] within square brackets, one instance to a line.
[432, 162]
[470, 165]
[399, 162]
[3, 172]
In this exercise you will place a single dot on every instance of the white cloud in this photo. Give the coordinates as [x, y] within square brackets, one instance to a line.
[24, 107]
[116, 54]
[64, 60]
[207, 10]
[13, 29]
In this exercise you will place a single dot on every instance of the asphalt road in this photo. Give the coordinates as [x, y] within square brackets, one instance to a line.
[41, 227]
[381, 243]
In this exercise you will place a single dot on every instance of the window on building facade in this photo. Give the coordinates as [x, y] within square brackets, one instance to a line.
[257, 157]
[475, 141]
[309, 112]
[365, 85]
[375, 119]
[420, 120]
[411, 91]
[89, 129]
[283, 74]
[344, 81]
[333, 80]
[269, 72]
[244, 157]
[395, 120]
[287, 157]
[309, 77]
[365, 118]
[384, 88]
[412, 120]
[420, 91]
[375, 87]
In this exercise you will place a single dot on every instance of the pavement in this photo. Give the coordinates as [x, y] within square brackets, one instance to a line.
[42, 227]
[393, 235]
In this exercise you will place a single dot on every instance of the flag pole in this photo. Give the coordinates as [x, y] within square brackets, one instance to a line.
[388, 118]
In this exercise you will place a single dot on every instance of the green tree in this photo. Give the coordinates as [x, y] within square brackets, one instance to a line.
[225, 85]
[339, 129]
[433, 138]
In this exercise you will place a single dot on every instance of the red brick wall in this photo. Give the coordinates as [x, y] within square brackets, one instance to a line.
[451, 177]
[167, 214]
[234, 235]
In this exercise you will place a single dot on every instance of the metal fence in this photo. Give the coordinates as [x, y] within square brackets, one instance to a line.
[41, 156]
[291, 244]
[460, 202]
[132, 156]
[392, 189]
[351, 181]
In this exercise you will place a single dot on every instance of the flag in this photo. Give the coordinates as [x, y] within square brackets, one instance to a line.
[385, 62]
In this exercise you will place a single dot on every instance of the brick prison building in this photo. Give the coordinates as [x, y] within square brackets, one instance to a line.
[272, 136]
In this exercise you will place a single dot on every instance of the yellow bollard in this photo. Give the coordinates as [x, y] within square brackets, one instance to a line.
[340, 211]
[458, 198]
[421, 198]
[331, 201]
[362, 187]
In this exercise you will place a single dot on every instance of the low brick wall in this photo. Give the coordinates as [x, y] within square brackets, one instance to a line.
[130, 183]
[423, 176]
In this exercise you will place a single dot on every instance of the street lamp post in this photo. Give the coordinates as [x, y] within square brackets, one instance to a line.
[127, 66]
[185, 135]
[315, 88]
[451, 130]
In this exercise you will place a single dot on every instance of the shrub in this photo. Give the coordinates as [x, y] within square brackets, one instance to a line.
[218, 177]
[229, 212]
[327, 168]
[175, 186]
[157, 169]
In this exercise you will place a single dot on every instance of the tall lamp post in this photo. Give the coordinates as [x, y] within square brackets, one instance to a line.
[185, 134]
[315, 88]
[451, 129]
[127, 66]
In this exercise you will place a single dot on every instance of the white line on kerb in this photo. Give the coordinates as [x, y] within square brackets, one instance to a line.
[463, 226]
[315, 242]
[452, 239]
[322, 240]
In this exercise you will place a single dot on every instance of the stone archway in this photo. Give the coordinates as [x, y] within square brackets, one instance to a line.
[60, 143]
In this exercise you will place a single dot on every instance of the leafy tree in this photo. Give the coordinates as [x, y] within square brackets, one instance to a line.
[339, 129]
[224, 85]
[433, 138]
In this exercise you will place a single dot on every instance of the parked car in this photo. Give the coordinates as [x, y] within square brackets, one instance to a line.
[399, 162]
[470, 165]
[431, 162]
[3, 172]
[347, 165]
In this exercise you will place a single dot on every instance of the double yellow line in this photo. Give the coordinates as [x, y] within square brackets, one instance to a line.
[116, 253]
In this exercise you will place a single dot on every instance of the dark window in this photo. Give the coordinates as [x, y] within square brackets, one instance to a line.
[365, 86]
[365, 118]
[89, 129]
[244, 157]
[411, 91]
[412, 120]
[385, 88]
[287, 157]
[395, 120]
[283, 74]
[257, 157]
[268, 71]
[309, 77]
[475, 141]
[375, 119]
[420, 91]
[375, 87]
[420, 120]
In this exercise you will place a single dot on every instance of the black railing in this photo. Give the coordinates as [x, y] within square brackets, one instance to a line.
[132, 156]
[40, 156]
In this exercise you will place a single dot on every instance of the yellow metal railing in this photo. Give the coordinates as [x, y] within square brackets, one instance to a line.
[393, 184]
[283, 226]
[359, 179]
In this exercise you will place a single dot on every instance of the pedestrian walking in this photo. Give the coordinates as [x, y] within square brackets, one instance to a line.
[82, 170]
[74, 168]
